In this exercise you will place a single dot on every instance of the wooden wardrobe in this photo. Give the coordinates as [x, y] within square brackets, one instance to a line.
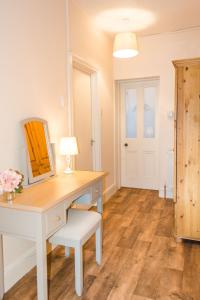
[187, 149]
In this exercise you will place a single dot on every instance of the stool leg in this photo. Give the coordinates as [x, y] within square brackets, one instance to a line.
[100, 205]
[79, 270]
[99, 244]
[67, 251]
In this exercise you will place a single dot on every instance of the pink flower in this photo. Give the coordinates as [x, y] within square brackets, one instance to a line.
[9, 180]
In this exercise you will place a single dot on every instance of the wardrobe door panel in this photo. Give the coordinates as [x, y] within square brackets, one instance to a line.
[188, 151]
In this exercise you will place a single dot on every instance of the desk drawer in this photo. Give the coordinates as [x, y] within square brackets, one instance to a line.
[96, 191]
[55, 218]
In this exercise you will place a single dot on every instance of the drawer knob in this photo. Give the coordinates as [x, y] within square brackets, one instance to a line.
[58, 218]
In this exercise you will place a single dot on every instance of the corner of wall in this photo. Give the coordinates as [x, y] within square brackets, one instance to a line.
[169, 193]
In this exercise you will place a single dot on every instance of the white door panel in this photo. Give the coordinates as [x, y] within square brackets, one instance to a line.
[139, 134]
[131, 168]
[149, 169]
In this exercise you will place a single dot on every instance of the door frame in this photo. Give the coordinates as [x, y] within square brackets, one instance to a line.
[81, 65]
[118, 124]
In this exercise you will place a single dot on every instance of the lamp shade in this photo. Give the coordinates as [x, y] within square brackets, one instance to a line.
[68, 146]
[125, 45]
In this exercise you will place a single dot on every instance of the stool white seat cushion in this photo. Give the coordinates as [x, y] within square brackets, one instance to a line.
[79, 227]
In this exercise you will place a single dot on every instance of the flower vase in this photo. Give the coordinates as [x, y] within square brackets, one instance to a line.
[9, 196]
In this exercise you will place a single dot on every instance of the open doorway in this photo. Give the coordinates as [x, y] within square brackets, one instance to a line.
[85, 114]
[82, 109]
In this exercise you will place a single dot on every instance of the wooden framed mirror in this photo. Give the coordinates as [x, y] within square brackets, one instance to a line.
[39, 154]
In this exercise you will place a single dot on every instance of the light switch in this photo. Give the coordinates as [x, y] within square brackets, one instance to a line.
[170, 115]
[62, 101]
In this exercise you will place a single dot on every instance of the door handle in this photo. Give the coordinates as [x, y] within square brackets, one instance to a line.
[92, 142]
[125, 145]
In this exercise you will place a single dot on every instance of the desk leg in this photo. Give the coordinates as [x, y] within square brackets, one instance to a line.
[100, 205]
[1, 268]
[42, 289]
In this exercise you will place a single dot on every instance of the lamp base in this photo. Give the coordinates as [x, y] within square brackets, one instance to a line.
[68, 171]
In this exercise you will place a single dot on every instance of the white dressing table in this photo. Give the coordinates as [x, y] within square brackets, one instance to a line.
[40, 211]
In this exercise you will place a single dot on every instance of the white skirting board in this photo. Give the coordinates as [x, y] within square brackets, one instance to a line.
[15, 271]
[109, 192]
[27, 261]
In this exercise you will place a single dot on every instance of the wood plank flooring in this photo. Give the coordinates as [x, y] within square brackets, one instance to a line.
[141, 260]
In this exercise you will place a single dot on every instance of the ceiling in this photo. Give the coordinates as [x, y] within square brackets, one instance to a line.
[146, 17]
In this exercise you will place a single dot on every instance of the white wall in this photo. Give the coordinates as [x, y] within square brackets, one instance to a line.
[32, 79]
[156, 54]
[95, 48]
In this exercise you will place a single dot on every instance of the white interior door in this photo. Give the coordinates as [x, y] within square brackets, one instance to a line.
[139, 134]
[83, 119]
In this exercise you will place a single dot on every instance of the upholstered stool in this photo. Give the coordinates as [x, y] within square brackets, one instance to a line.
[80, 226]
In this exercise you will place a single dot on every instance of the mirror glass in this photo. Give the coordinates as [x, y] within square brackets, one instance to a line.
[39, 152]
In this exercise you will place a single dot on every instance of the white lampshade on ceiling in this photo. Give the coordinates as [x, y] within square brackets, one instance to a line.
[125, 45]
[68, 146]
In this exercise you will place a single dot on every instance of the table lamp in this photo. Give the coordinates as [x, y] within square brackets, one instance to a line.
[68, 147]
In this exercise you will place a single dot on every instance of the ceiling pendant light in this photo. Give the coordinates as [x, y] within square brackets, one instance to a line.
[125, 45]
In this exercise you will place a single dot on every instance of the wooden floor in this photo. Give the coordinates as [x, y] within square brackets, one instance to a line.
[141, 260]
